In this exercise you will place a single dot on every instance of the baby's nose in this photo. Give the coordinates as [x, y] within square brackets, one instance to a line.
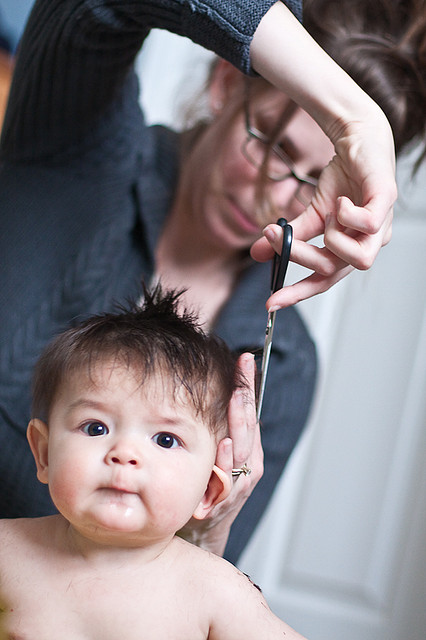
[123, 453]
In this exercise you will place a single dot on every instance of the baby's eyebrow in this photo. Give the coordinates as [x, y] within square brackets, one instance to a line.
[86, 402]
[175, 422]
[163, 421]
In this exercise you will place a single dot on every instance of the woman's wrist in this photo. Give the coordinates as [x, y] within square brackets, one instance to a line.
[306, 73]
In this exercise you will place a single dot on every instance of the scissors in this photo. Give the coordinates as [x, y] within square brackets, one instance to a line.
[279, 269]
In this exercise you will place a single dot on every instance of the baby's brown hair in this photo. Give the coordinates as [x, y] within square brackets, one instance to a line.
[150, 339]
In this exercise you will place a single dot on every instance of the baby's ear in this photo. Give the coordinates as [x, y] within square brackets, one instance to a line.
[218, 488]
[38, 438]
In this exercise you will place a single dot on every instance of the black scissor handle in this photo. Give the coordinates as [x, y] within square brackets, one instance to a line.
[280, 262]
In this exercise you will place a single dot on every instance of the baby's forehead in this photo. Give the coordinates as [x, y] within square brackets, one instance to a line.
[113, 373]
[113, 381]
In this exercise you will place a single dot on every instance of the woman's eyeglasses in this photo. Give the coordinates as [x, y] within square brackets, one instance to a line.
[272, 159]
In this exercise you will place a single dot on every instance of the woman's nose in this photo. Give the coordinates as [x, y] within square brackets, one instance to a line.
[123, 453]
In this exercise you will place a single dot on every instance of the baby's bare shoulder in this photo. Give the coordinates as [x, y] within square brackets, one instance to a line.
[24, 535]
[211, 570]
[232, 604]
[13, 533]
[27, 528]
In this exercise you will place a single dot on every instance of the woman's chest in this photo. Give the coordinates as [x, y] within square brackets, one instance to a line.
[204, 291]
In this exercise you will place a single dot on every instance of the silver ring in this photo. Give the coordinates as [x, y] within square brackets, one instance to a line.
[244, 469]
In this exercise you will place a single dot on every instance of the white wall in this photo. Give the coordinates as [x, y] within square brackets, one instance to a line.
[341, 552]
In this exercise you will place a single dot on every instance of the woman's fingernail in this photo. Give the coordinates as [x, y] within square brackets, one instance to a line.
[274, 307]
[228, 446]
[249, 356]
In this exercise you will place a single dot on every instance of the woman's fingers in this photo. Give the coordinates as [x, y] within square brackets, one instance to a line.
[244, 432]
[358, 250]
[224, 455]
[351, 245]
[344, 249]
[342, 245]
[304, 289]
[262, 250]
[318, 259]
[375, 216]
[242, 412]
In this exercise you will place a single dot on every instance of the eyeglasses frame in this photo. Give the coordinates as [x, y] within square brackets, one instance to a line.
[252, 132]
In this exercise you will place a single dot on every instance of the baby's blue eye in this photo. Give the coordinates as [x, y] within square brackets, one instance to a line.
[166, 440]
[95, 429]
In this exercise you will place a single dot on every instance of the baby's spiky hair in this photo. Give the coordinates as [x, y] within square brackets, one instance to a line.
[150, 339]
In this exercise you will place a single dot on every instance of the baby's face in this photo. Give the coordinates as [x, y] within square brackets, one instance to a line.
[126, 462]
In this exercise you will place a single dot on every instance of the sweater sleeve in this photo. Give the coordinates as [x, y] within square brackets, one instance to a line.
[74, 64]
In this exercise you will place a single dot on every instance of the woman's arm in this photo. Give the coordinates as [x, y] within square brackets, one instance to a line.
[353, 203]
[73, 79]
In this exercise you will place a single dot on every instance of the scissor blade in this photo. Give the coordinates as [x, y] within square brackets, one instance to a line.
[265, 362]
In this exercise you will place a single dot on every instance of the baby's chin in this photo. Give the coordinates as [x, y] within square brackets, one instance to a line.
[117, 520]
[121, 513]
[119, 499]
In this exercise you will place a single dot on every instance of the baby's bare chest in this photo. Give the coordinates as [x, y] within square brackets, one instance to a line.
[95, 609]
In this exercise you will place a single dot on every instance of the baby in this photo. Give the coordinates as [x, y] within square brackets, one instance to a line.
[128, 411]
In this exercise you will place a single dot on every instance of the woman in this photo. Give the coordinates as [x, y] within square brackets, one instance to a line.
[86, 189]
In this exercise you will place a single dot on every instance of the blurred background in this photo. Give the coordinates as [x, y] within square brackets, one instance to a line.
[341, 551]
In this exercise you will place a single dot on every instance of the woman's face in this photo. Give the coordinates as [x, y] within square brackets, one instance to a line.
[224, 185]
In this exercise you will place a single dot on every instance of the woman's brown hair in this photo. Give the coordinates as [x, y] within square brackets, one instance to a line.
[381, 44]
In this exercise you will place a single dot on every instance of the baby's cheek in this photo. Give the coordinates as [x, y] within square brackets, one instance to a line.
[65, 480]
[169, 516]
[173, 508]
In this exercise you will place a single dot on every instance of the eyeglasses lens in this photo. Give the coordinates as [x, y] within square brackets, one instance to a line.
[257, 152]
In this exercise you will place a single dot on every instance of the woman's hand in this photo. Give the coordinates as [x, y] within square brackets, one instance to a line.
[242, 447]
[353, 204]
[354, 226]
